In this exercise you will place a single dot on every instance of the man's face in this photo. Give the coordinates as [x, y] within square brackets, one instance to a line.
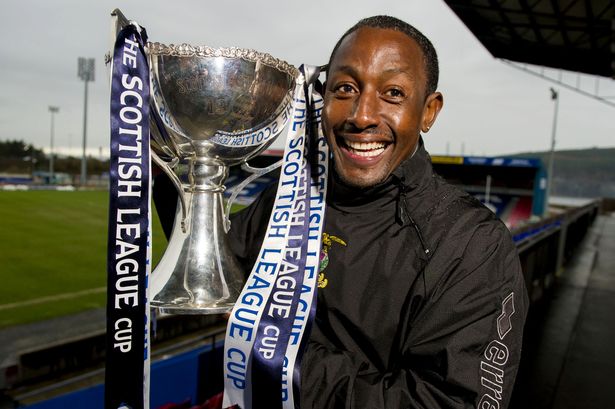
[375, 104]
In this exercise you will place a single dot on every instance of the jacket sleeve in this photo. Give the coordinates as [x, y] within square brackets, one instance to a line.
[248, 226]
[459, 343]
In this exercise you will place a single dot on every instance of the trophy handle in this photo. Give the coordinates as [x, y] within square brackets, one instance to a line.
[167, 168]
[255, 173]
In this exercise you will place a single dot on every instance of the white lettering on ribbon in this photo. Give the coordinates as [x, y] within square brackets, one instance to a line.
[318, 184]
[130, 210]
[272, 266]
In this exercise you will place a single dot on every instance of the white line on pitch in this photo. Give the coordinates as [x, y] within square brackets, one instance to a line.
[52, 298]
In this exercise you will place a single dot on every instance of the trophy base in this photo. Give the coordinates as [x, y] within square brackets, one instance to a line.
[194, 309]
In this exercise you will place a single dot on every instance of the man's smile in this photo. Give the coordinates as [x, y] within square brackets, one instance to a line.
[364, 149]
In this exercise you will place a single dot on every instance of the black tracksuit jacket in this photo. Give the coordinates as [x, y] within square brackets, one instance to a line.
[421, 301]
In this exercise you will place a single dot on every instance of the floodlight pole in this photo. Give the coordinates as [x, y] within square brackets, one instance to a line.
[53, 110]
[86, 73]
[554, 97]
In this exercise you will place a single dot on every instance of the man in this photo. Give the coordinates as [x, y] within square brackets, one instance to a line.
[421, 299]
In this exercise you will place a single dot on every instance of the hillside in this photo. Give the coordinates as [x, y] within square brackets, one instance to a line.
[581, 172]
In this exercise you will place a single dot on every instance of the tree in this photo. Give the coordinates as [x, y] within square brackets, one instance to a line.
[19, 150]
[19, 157]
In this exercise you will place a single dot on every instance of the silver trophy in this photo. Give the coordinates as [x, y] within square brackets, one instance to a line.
[218, 107]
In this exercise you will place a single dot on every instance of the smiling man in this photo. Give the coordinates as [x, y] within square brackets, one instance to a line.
[377, 102]
[421, 300]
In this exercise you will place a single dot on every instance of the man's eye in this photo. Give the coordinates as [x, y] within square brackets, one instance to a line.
[344, 89]
[395, 93]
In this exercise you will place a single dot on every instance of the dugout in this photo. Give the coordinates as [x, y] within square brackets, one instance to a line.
[513, 188]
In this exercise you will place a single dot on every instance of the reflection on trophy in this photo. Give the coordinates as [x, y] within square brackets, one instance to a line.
[217, 108]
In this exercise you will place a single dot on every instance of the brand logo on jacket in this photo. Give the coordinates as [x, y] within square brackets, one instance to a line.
[494, 359]
[327, 243]
[504, 322]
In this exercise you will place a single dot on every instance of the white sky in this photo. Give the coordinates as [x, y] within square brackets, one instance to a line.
[490, 108]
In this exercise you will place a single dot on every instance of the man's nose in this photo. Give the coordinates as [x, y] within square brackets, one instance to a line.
[365, 110]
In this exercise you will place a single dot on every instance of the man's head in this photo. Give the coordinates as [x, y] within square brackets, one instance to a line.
[380, 94]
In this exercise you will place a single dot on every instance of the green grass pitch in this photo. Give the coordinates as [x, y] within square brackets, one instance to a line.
[54, 243]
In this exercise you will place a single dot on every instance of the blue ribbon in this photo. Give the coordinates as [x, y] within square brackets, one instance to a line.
[128, 256]
[267, 373]
[313, 123]
[271, 320]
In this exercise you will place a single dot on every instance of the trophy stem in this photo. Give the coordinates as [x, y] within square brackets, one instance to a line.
[205, 276]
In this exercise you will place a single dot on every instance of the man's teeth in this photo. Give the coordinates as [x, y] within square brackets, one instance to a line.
[366, 148]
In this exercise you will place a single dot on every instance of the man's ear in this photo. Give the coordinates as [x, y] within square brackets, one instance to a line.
[431, 109]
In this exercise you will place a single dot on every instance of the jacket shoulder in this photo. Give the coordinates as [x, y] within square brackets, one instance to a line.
[460, 230]
[452, 210]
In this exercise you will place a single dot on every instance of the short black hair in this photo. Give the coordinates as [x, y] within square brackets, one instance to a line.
[392, 23]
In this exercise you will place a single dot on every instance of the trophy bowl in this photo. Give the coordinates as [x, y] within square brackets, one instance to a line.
[214, 108]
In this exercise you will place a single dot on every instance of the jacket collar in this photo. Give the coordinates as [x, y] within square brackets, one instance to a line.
[415, 172]
[359, 200]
